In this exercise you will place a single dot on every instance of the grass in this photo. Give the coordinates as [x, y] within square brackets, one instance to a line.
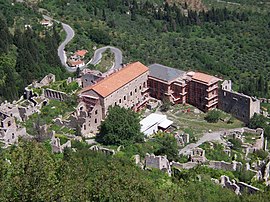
[184, 117]
[64, 87]
[106, 62]
[250, 138]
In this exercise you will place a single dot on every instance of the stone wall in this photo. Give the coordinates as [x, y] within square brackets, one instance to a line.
[55, 95]
[48, 79]
[56, 145]
[238, 187]
[241, 106]
[222, 165]
[187, 165]
[102, 149]
[159, 162]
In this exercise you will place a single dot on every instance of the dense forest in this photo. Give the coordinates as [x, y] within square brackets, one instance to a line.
[28, 51]
[232, 42]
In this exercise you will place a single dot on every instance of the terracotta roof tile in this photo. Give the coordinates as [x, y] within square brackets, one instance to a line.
[115, 81]
[205, 78]
[74, 63]
[81, 52]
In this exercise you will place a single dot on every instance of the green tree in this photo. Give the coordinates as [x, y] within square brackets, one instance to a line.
[28, 173]
[120, 127]
[168, 146]
[257, 121]
[213, 116]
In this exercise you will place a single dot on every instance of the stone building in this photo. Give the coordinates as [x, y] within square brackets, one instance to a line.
[90, 77]
[241, 106]
[198, 155]
[126, 88]
[9, 131]
[166, 82]
[202, 90]
[159, 162]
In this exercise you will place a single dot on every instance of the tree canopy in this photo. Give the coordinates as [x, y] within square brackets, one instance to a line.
[120, 127]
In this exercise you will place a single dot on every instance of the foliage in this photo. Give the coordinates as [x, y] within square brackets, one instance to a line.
[244, 175]
[261, 154]
[155, 32]
[216, 153]
[236, 144]
[213, 116]
[166, 104]
[47, 115]
[64, 87]
[26, 54]
[120, 127]
[259, 121]
[87, 175]
[167, 146]
[28, 177]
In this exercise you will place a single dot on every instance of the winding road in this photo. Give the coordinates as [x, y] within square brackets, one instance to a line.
[118, 56]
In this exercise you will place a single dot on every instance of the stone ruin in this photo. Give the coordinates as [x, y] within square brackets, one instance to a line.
[10, 131]
[47, 80]
[182, 139]
[56, 145]
[103, 150]
[238, 187]
[55, 95]
[159, 162]
[222, 165]
[198, 155]
[260, 142]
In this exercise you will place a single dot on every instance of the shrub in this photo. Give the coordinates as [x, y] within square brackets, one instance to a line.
[213, 116]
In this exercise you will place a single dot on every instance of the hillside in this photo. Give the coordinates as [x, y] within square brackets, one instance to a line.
[28, 51]
[227, 40]
[191, 4]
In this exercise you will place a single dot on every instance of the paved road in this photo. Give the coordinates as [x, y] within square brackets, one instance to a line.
[61, 49]
[118, 57]
[207, 137]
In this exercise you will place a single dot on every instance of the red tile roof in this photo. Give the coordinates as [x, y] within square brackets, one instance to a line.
[205, 78]
[81, 52]
[74, 63]
[115, 81]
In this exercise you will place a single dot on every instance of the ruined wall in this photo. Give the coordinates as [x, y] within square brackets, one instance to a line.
[238, 187]
[159, 162]
[55, 95]
[222, 165]
[237, 104]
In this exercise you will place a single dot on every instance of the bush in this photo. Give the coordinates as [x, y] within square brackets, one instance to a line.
[237, 144]
[213, 116]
